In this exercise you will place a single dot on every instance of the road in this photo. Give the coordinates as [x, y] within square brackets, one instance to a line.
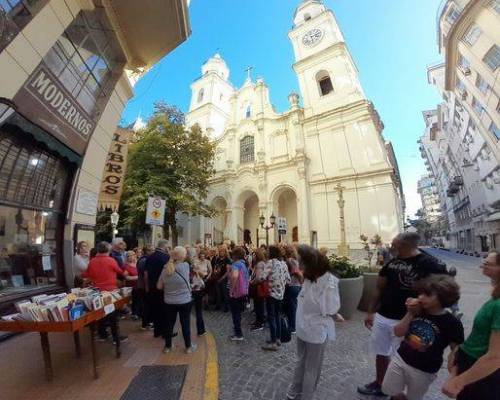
[248, 373]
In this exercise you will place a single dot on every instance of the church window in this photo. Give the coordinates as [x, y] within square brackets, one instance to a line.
[324, 82]
[307, 17]
[247, 150]
[248, 112]
[201, 93]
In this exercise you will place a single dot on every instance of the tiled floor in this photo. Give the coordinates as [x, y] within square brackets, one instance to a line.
[22, 369]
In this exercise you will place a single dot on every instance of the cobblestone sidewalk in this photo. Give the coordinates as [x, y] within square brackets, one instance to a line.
[248, 373]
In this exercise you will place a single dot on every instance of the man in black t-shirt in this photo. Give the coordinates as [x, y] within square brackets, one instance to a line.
[395, 285]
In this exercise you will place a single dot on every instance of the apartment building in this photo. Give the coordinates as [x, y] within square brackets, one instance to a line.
[461, 143]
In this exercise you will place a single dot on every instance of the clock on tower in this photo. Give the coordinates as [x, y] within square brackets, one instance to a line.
[325, 69]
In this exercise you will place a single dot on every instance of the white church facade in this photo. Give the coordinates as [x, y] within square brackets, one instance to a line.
[290, 164]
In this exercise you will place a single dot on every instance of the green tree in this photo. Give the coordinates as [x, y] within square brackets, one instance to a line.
[169, 161]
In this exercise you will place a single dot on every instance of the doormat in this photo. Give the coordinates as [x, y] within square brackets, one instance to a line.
[157, 382]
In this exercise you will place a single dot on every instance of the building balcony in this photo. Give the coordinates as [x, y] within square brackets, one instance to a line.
[162, 26]
[461, 204]
[453, 189]
[458, 180]
[449, 12]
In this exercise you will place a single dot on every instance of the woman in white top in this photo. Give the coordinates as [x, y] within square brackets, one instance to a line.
[81, 258]
[318, 304]
[81, 262]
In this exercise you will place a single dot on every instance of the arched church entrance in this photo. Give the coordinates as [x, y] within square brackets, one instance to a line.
[285, 206]
[220, 220]
[248, 222]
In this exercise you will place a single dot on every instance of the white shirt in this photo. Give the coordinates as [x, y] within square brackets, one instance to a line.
[80, 263]
[317, 302]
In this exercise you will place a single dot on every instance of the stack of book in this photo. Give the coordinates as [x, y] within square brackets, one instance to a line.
[62, 306]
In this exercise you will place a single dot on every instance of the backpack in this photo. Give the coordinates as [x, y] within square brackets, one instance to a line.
[240, 289]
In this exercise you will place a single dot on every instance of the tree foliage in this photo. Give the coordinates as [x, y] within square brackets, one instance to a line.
[169, 161]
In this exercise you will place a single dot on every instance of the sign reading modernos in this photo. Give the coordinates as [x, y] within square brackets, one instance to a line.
[46, 102]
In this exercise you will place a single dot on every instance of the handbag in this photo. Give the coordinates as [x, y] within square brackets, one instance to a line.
[263, 290]
[286, 333]
[186, 282]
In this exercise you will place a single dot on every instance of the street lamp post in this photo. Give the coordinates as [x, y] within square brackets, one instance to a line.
[272, 220]
[115, 217]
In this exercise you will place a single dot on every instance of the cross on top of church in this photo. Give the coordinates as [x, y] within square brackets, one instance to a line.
[248, 70]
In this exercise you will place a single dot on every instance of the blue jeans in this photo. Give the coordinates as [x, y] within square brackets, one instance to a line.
[198, 307]
[273, 307]
[237, 306]
[259, 306]
[291, 294]
[222, 295]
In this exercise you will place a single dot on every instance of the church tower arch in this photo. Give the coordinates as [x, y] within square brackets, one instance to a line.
[201, 94]
[324, 81]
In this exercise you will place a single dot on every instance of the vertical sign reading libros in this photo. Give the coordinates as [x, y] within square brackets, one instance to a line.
[155, 214]
[114, 171]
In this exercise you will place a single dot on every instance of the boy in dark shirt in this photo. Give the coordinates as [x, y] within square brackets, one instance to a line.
[395, 284]
[428, 329]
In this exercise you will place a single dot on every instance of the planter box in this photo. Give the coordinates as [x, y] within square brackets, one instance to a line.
[369, 287]
[350, 290]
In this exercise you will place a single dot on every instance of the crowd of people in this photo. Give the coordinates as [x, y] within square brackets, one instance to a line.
[292, 291]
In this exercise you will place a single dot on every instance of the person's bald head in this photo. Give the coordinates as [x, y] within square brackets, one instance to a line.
[405, 244]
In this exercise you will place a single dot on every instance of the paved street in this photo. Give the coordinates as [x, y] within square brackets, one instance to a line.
[246, 372]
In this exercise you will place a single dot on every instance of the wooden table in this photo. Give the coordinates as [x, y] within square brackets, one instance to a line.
[90, 320]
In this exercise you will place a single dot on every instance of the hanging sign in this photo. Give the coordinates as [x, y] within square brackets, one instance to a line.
[155, 214]
[281, 225]
[45, 101]
[114, 171]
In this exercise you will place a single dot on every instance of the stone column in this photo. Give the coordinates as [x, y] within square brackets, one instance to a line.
[202, 229]
[303, 208]
[237, 215]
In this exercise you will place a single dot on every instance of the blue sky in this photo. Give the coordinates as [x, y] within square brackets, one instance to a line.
[392, 42]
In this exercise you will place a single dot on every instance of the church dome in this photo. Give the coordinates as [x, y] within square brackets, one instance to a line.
[218, 65]
[307, 10]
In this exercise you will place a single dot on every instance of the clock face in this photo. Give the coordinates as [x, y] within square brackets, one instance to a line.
[312, 37]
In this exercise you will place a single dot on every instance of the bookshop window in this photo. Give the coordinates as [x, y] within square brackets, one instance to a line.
[14, 16]
[33, 186]
[86, 59]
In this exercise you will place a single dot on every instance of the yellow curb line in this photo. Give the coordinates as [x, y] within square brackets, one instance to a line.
[212, 370]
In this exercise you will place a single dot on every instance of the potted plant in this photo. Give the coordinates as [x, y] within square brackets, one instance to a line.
[371, 270]
[370, 277]
[350, 284]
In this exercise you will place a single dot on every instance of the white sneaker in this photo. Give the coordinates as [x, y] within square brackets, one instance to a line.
[191, 349]
[167, 350]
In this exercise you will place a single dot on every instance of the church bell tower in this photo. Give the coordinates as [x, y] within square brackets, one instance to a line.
[328, 77]
[210, 101]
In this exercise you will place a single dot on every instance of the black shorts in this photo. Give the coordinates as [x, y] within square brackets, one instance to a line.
[485, 389]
